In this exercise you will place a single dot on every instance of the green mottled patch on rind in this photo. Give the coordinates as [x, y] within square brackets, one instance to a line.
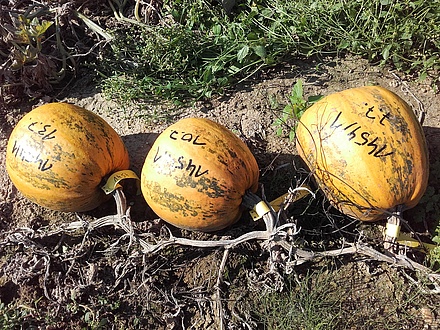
[209, 186]
[176, 203]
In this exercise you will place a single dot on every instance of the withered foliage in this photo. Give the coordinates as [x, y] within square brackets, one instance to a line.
[41, 44]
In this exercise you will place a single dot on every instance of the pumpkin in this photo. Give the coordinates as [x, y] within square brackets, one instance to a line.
[366, 150]
[59, 154]
[196, 173]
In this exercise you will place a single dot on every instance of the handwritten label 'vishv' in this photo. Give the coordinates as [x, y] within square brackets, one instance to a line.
[358, 135]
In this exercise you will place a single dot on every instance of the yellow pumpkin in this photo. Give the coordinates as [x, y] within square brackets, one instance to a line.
[367, 151]
[196, 174]
[58, 155]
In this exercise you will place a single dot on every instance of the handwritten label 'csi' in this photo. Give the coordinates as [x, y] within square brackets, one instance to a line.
[361, 137]
[181, 162]
[29, 154]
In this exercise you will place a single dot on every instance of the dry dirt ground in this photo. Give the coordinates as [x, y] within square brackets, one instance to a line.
[100, 281]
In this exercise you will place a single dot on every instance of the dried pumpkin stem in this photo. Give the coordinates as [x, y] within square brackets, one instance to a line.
[121, 202]
[122, 218]
[262, 208]
[218, 307]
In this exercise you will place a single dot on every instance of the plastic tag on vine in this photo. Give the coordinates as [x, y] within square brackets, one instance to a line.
[408, 241]
[292, 196]
[112, 182]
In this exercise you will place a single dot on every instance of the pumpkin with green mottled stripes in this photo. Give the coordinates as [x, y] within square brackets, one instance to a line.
[59, 154]
[367, 151]
[196, 174]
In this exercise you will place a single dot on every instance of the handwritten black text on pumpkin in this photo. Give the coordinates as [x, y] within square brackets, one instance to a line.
[32, 156]
[180, 163]
[363, 138]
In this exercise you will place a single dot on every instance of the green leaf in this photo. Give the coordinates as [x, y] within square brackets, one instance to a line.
[279, 131]
[278, 122]
[216, 29]
[287, 111]
[260, 51]
[386, 51]
[423, 75]
[299, 112]
[314, 98]
[242, 53]
[344, 44]
[42, 28]
[297, 91]
[252, 36]
[233, 69]
[207, 75]
[292, 134]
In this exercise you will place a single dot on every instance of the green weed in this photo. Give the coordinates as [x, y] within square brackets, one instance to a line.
[12, 317]
[434, 254]
[198, 53]
[309, 304]
[200, 50]
[342, 299]
[29, 34]
[194, 49]
[293, 111]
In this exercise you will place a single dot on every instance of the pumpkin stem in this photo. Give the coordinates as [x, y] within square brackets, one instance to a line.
[263, 209]
[250, 200]
[121, 202]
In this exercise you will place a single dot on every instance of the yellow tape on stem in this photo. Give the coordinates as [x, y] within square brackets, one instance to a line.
[112, 182]
[261, 208]
[392, 230]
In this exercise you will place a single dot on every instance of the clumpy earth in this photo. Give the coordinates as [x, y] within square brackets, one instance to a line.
[55, 278]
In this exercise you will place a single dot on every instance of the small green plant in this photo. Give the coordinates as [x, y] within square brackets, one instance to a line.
[38, 47]
[309, 304]
[24, 53]
[293, 111]
[28, 37]
[12, 317]
[434, 254]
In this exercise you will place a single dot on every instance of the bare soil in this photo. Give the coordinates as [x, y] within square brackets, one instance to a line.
[100, 281]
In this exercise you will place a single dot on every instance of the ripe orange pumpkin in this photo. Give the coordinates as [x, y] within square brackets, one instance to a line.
[58, 155]
[367, 151]
[196, 174]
